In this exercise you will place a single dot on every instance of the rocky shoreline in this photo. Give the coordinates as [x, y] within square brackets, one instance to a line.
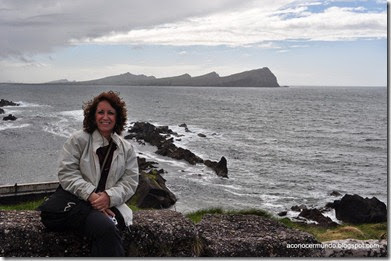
[3, 103]
[350, 208]
[166, 233]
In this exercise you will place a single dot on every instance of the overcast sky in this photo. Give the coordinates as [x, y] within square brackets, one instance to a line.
[303, 42]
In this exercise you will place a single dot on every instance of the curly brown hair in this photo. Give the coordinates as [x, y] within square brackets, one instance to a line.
[89, 123]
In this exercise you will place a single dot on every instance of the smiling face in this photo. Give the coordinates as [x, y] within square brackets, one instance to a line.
[105, 117]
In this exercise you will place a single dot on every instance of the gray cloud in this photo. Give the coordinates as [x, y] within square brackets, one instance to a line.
[35, 26]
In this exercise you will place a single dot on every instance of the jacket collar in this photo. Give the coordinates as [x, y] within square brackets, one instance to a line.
[99, 141]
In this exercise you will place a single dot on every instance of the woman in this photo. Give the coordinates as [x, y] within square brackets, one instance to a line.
[100, 167]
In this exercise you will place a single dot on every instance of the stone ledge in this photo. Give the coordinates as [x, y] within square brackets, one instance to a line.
[159, 233]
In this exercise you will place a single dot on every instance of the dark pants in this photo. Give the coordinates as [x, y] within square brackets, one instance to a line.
[104, 235]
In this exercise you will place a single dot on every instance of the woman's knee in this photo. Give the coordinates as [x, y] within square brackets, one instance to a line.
[99, 224]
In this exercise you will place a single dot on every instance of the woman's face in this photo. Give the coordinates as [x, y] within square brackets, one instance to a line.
[105, 117]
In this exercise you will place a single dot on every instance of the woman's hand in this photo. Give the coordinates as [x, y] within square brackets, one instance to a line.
[100, 201]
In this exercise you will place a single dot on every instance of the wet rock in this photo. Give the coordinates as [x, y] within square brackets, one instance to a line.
[356, 209]
[335, 193]
[201, 135]
[152, 192]
[298, 208]
[7, 103]
[251, 236]
[160, 137]
[10, 117]
[316, 215]
[282, 213]
[219, 167]
[2, 111]
[169, 149]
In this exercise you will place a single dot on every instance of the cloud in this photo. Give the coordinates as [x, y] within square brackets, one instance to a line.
[34, 26]
[40, 26]
[257, 25]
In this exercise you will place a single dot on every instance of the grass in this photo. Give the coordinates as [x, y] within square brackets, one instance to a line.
[196, 216]
[361, 231]
[30, 205]
[345, 231]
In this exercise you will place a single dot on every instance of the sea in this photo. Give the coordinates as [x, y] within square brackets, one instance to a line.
[284, 146]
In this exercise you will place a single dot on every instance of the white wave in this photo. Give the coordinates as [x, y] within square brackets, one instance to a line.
[24, 104]
[12, 125]
[75, 114]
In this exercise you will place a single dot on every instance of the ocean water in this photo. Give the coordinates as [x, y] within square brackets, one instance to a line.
[284, 146]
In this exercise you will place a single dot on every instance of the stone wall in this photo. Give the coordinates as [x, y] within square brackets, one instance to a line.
[161, 233]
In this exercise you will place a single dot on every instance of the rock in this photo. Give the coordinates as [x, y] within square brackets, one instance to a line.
[161, 233]
[184, 125]
[153, 233]
[152, 192]
[166, 233]
[7, 103]
[355, 248]
[282, 213]
[219, 167]
[2, 111]
[10, 117]
[23, 235]
[298, 208]
[335, 193]
[201, 135]
[355, 209]
[166, 147]
[315, 215]
[251, 236]
[143, 164]
[169, 149]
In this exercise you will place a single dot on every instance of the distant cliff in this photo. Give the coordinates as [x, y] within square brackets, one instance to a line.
[255, 78]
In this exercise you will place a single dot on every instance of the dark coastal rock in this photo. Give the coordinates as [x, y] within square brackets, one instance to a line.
[169, 149]
[147, 132]
[316, 215]
[356, 209]
[335, 193]
[152, 192]
[201, 135]
[2, 111]
[298, 208]
[10, 117]
[219, 167]
[282, 213]
[160, 137]
[251, 236]
[7, 103]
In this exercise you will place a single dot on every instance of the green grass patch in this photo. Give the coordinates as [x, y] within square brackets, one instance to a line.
[30, 205]
[345, 231]
[196, 216]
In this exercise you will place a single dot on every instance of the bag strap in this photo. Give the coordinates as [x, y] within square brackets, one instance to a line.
[106, 156]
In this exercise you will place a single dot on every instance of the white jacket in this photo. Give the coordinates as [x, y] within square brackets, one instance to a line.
[79, 169]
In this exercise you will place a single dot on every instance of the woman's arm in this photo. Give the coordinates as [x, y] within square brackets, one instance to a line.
[69, 174]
